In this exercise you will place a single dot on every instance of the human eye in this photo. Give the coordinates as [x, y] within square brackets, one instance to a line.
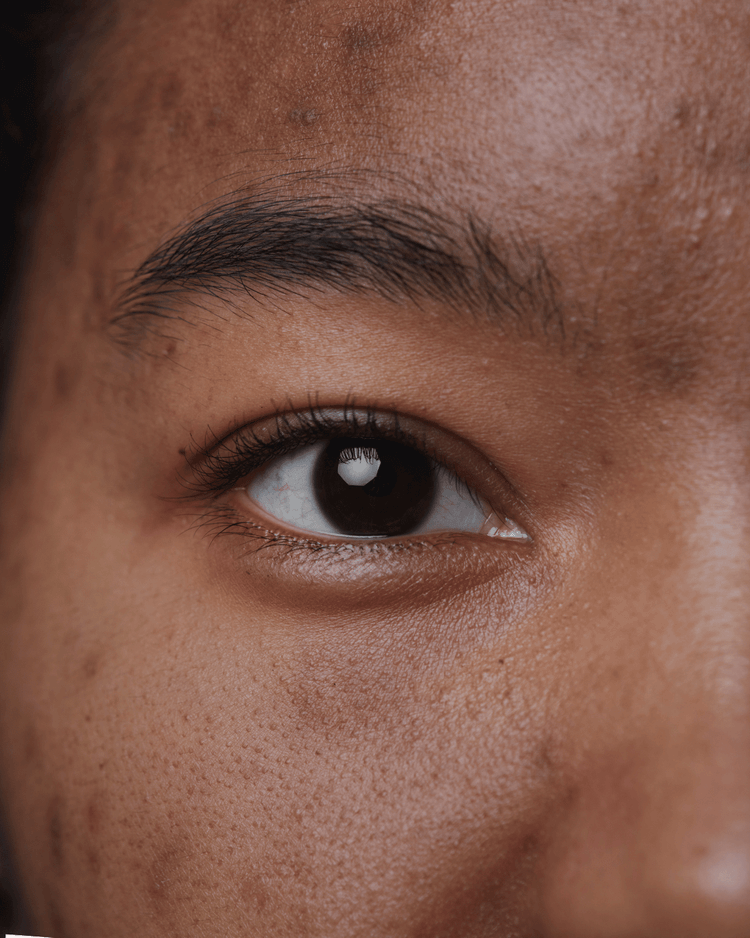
[350, 475]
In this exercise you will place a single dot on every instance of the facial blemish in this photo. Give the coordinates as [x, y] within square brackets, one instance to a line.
[304, 117]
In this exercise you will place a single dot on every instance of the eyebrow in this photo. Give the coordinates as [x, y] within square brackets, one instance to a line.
[268, 244]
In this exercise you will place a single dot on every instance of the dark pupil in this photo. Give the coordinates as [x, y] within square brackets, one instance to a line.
[373, 488]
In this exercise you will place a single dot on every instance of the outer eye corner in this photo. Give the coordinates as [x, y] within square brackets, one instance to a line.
[504, 528]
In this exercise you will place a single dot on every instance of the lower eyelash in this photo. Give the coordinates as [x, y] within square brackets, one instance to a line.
[221, 520]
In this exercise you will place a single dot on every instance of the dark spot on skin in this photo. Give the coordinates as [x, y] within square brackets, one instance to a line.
[363, 38]
[91, 665]
[681, 113]
[164, 875]
[669, 362]
[671, 373]
[304, 116]
[171, 92]
[254, 896]
[93, 861]
[570, 796]
[544, 759]
[214, 117]
[55, 831]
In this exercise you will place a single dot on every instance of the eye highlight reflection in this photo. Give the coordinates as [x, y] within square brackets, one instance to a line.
[354, 488]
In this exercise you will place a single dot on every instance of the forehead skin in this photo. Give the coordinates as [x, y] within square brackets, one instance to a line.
[544, 743]
[610, 131]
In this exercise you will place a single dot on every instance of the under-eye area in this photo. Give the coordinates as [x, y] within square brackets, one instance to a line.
[352, 478]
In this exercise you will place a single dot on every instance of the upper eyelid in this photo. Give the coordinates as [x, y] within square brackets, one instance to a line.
[232, 455]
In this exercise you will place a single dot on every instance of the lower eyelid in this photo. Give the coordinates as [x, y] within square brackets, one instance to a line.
[317, 575]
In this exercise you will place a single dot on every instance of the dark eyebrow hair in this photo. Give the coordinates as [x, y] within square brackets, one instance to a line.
[271, 244]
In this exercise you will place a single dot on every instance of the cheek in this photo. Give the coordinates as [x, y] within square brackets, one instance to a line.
[180, 746]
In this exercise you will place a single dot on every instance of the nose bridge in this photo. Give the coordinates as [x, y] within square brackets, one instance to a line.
[657, 842]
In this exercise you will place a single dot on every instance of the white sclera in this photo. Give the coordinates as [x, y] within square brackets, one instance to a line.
[284, 489]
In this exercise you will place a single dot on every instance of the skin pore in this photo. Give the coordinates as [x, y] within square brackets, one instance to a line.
[213, 728]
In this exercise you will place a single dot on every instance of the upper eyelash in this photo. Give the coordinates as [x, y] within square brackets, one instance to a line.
[219, 467]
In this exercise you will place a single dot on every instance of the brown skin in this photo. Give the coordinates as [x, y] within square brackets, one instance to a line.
[465, 739]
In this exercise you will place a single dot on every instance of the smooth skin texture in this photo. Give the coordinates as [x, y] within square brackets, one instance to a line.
[466, 738]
